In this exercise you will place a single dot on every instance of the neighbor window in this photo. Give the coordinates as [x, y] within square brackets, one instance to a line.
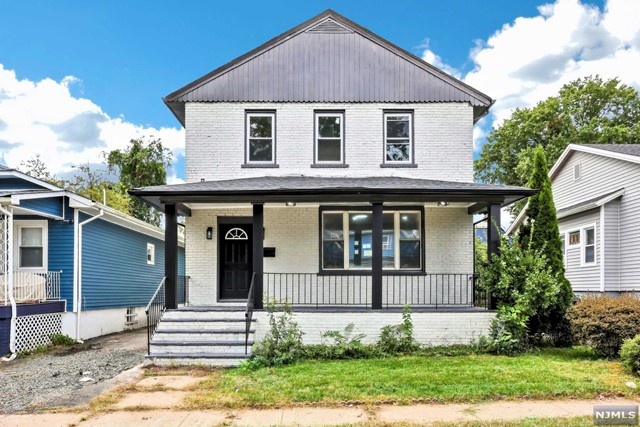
[329, 138]
[398, 138]
[577, 171]
[564, 248]
[347, 240]
[589, 245]
[151, 253]
[31, 243]
[260, 143]
[574, 238]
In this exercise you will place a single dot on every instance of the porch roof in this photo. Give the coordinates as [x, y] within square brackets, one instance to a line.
[299, 188]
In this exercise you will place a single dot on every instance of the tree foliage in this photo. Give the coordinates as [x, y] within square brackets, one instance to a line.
[143, 163]
[586, 111]
[540, 232]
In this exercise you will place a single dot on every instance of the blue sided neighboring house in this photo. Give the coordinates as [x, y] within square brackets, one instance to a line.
[70, 265]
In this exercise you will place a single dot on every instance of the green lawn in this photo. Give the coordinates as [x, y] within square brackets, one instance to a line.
[549, 373]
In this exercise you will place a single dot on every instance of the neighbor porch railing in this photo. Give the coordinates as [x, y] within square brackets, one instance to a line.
[440, 290]
[30, 287]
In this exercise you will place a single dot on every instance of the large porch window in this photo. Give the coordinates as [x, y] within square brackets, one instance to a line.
[347, 240]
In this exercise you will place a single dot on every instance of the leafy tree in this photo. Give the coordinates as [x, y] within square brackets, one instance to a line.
[38, 169]
[540, 232]
[93, 185]
[142, 163]
[586, 111]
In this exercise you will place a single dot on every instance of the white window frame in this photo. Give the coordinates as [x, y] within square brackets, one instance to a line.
[563, 238]
[151, 250]
[18, 226]
[248, 137]
[319, 114]
[386, 139]
[568, 240]
[396, 238]
[583, 246]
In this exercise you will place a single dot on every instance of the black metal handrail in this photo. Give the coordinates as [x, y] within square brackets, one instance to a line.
[248, 314]
[154, 311]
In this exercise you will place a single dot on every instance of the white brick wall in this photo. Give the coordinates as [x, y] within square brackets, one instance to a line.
[443, 137]
[430, 328]
[294, 233]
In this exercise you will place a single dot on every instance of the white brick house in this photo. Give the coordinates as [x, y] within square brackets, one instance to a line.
[333, 170]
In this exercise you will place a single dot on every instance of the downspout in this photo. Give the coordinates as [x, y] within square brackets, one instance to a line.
[14, 312]
[78, 302]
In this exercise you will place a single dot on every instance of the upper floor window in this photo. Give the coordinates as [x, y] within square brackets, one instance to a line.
[398, 137]
[261, 142]
[329, 140]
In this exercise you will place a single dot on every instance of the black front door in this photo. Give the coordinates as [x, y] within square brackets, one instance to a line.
[235, 245]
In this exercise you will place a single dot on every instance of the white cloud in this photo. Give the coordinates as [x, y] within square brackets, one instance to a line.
[430, 56]
[45, 118]
[530, 59]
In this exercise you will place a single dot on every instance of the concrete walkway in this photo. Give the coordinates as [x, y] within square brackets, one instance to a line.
[159, 401]
[314, 416]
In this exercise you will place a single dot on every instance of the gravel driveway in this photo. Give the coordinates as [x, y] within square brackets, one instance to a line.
[69, 376]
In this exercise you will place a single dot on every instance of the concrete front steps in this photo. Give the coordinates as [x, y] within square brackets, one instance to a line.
[213, 336]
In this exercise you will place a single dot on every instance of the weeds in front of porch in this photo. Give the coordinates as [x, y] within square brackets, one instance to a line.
[62, 340]
[541, 374]
[283, 345]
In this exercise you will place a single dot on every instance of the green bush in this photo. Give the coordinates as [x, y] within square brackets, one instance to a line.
[630, 355]
[283, 342]
[508, 333]
[604, 322]
[396, 339]
[62, 340]
[342, 345]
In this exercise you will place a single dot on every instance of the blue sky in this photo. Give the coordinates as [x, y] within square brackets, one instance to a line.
[123, 56]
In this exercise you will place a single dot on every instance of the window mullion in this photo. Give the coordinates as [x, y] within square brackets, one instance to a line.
[396, 240]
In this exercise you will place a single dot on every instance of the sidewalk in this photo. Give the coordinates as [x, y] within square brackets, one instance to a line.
[159, 401]
[310, 416]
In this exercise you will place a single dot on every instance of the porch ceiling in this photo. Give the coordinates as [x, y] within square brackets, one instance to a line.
[282, 189]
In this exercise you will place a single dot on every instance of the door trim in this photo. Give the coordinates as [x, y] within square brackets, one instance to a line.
[226, 220]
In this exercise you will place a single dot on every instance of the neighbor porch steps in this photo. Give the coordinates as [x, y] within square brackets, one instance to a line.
[213, 336]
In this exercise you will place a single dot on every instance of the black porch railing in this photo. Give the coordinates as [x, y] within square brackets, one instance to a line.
[435, 291]
[154, 311]
[248, 314]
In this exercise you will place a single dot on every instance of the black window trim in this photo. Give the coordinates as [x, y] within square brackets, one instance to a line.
[247, 163]
[413, 272]
[390, 164]
[343, 162]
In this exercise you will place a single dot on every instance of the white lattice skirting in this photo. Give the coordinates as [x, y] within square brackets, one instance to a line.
[34, 331]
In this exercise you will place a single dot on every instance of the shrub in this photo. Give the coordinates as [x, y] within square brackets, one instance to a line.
[395, 339]
[61, 339]
[283, 342]
[508, 333]
[604, 322]
[630, 355]
[341, 345]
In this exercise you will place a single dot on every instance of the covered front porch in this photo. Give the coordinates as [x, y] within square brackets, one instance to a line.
[331, 244]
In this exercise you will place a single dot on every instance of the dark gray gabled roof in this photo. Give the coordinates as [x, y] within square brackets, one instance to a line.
[629, 149]
[328, 58]
[328, 189]
[5, 168]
